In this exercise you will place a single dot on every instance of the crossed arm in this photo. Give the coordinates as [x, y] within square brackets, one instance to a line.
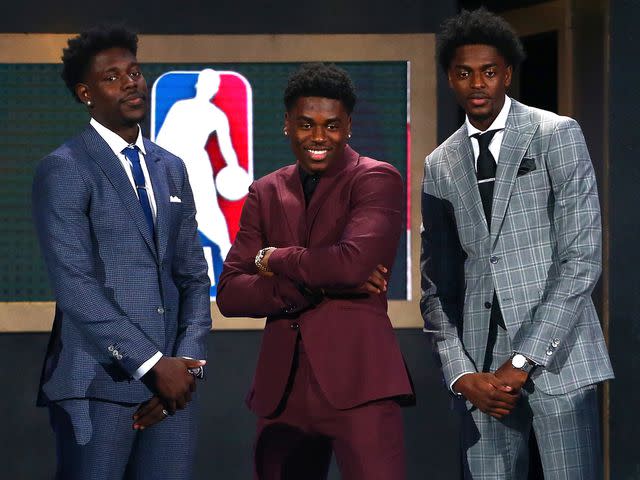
[373, 227]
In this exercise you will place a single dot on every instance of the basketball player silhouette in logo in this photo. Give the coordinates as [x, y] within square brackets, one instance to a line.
[185, 132]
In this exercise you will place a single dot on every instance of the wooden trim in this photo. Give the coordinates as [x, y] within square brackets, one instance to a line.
[417, 49]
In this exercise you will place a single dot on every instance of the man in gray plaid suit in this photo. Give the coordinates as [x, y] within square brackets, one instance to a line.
[116, 222]
[511, 251]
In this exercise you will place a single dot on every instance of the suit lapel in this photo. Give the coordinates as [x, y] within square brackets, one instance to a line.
[517, 137]
[289, 190]
[463, 171]
[112, 168]
[161, 194]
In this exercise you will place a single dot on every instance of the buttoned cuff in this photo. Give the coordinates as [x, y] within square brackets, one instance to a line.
[146, 366]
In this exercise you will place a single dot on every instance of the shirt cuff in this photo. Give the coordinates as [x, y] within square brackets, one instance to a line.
[146, 366]
[454, 381]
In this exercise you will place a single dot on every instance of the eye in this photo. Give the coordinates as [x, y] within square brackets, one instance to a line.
[490, 73]
[135, 74]
[111, 78]
[332, 126]
[462, 74]
[305, 126]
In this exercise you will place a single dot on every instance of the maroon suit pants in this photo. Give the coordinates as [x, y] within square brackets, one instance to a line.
[297, 442]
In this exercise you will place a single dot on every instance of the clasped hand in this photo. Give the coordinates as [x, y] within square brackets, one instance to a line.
[173, 385]
[495, 394]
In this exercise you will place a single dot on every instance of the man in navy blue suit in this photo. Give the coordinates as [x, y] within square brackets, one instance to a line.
[116, 222]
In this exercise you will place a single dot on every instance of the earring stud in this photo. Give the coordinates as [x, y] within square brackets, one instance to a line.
[89, 103]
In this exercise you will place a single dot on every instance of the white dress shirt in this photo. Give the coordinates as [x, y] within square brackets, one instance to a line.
[117, 144]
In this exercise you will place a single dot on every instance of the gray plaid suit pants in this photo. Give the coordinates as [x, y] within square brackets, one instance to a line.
[566, 428]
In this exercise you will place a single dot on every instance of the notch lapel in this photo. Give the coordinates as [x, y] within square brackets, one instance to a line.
[463, 171]
[161, 193]
[112, 168]
[291, 197]
[517, 137]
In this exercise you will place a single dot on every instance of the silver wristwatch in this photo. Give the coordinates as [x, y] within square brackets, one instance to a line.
[521, 362]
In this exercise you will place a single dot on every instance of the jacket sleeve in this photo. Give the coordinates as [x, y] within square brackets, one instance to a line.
[442, 279]
[61, 201]
[241, 291]
[189, 271]
[576, 221]
[374, 226]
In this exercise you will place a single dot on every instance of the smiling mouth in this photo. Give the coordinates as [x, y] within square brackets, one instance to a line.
[318, 153]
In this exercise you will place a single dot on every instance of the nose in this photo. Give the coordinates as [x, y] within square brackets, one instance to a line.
[318, 134]
[128, 81]
[477, 80]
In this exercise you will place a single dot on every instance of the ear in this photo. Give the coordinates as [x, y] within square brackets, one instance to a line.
[508, 73]
[450, 78]
[349, 123]
[82, 92]
[286, 120]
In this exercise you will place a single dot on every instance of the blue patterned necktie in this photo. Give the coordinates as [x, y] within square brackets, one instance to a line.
[132, 155]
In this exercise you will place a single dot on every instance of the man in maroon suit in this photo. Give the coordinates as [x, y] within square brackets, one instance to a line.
[309, 256]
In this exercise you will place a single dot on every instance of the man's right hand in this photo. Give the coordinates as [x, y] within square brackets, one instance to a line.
[376, 283]
[171, 381]
[488, 393]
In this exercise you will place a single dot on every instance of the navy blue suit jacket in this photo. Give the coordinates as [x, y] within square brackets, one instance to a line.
[121, 295]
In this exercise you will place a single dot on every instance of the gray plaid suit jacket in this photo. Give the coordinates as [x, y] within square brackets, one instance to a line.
[121, 295]
[542, 257]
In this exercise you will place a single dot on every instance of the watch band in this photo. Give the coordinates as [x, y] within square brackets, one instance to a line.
[259, 257]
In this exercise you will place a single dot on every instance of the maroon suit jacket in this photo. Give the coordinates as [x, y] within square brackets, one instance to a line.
[353, 223]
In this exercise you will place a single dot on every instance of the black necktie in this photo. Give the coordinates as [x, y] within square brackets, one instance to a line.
[486, 172]
[132, 155]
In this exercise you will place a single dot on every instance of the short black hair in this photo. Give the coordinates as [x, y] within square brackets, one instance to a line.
[76, 58]
[474, 27]
[320, 80]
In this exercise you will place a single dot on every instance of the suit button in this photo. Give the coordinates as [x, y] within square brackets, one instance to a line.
[160, 310]
[295, 326]
[115, 353]
[549, 352]
[119, 357]
[555, 343]
[487, 304]
[110, 348]
[493, 259]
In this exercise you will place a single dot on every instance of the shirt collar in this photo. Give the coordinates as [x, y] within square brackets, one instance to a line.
[115, 141]
[498, 124]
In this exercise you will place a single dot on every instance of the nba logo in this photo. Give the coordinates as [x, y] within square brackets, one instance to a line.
[205, 118]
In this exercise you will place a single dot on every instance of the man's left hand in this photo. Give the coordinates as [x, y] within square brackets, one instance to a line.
[514, 377]
[149, 413]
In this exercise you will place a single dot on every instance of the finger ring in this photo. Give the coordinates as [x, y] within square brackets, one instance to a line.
[165, 413]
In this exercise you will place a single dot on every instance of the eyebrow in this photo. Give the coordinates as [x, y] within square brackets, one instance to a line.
[482, 67]
[309, 119]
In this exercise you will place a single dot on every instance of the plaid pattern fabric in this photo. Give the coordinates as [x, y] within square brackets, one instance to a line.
[566, 428]
[121, 294]
[542, 257]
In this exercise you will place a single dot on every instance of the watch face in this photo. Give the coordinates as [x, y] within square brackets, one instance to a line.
[518, 361]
